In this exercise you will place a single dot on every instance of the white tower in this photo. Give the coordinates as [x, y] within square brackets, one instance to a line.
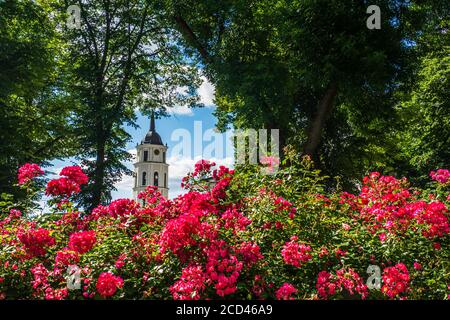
[150, 168]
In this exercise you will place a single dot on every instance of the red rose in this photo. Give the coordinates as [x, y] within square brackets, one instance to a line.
[108, 283]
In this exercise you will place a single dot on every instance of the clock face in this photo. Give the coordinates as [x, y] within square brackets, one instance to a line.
[156, 152]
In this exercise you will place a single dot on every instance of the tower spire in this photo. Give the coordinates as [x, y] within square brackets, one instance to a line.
[152, 121]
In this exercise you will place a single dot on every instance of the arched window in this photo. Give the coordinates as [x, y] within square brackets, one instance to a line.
[165, 180]
[145, 155]
[155, 179]
[144, 178]
[164, 157]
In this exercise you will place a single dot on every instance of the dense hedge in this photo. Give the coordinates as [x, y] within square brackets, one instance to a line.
[248, 235]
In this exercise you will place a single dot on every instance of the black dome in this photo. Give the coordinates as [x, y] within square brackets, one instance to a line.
[152, 137]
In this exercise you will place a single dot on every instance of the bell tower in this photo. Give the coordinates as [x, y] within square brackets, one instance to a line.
[151, 168]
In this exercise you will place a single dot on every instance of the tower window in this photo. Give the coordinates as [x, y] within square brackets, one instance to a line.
[145, 155]
[155, 179]
[144, 178]
[164, 156]
[165, 180]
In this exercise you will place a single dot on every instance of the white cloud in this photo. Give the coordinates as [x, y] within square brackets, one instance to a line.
[180, 110]
[206, 92]
[124, 188]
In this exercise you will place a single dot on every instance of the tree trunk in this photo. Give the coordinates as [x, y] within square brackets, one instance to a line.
[99, 172]
[100, 143]
[317, 124]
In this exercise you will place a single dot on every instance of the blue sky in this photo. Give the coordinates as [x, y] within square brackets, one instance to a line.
[181, 120]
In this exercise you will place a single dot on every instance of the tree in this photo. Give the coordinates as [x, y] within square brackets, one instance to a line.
[424, 100]
[34, 113]
[310, 68]
[426, 137]
[124, 57]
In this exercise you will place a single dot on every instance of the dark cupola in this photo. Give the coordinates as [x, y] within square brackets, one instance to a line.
[152, 137]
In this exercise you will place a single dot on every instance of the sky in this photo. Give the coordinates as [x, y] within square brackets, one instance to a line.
[190, 137]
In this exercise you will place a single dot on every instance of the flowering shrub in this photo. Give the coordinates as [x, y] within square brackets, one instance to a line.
[82, 242]
[285, 292]
[192, 283]
[295, 254]
[35, 242]
[234, 234]
[396, 280]
[107, 284]
[346, 282]
[28, 171]
[69, 184]
[441, 175]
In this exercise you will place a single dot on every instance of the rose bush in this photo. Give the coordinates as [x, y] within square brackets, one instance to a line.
[247, 235]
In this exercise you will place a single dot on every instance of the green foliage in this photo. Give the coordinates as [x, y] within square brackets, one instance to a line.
[426, 136]
[272, 62]
[35, 117]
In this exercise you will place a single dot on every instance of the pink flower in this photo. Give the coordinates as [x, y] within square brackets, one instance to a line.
[285, 292]
[75, 174]
[73, 177]
[123, 208]
[347, 280]
[323, 252]
[14, 213]
[345, 226]
[441, 175]
[36, 241]
[82, 242]
[222, 268]
[271, 162]
[29, 171]
[396, 281]
[203, 166]
[250, 253]
[62, 187]
[417, 266]
[295, 254]
[340, 253]
[191, 284]
[66, 257]
[108, 283]
[121, 261]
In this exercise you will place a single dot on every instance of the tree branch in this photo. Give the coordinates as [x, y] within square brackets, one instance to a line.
[192, 38]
